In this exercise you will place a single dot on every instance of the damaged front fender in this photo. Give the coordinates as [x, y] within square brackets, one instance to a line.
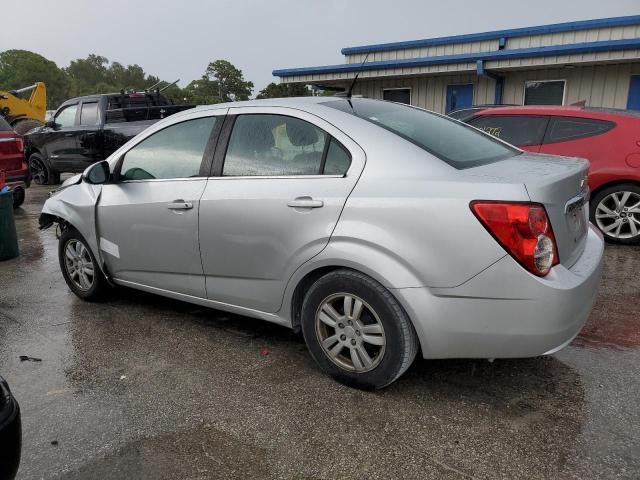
[75, 205]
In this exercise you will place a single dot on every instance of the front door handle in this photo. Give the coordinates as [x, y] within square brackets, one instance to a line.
[305, 202]
[180, 205]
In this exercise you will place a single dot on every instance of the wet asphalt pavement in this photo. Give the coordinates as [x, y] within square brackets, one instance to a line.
[143, 387]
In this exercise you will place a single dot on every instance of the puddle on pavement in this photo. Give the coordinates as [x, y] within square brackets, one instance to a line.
[615, 320]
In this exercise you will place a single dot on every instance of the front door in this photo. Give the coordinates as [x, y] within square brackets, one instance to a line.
[459, 96]
[61, 139]
[633, 102]
[282, 184]
[148, 219]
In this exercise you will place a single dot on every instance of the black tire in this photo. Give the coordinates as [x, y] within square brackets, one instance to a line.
[38, 169]
[401, 341]
[99, 287]
[18, 197]
[626, 216]
[54, 177]
[22, 126]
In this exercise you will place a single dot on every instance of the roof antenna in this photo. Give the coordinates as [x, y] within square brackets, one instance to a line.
[348, 92]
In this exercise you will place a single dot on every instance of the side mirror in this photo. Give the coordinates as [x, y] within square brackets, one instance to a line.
[50, 124]
[97, 174]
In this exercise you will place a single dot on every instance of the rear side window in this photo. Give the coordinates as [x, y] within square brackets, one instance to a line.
[174, 152]
[278, 145]
[338, 159]
[89, 114]
[453, 142]
[4, 126]
[571, 128]
[519, 130]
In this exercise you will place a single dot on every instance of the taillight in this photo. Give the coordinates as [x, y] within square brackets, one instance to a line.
[523, 230]
[19, 144]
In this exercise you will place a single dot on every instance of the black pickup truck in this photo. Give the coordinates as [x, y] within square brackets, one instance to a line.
[87, 129]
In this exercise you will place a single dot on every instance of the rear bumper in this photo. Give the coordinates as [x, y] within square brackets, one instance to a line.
[505, 312]
[18, 178]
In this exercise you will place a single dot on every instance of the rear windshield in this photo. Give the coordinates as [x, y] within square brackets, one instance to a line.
[4, 126]
[455, 143]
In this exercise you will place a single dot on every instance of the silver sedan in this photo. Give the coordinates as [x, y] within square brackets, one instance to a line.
[377, 229]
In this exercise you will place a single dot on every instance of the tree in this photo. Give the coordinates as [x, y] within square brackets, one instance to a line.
[86, 73]
[279, 90]
[228, 81]
[21, 68]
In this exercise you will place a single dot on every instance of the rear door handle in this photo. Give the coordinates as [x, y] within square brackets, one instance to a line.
[180, 205]
[305, 202]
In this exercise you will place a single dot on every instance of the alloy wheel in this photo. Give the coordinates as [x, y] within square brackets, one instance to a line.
[618, 215]
[350, 332]
[37, 171]
[79, 265]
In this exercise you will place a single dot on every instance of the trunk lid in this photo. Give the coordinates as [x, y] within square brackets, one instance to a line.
[558, 183]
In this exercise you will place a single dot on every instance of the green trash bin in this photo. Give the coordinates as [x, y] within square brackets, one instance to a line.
[8, 236]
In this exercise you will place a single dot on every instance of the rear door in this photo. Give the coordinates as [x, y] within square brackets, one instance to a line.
[283, 177]
[578, 137]
[148, 219]
[523, 131]
[11, 156]
[88, 135]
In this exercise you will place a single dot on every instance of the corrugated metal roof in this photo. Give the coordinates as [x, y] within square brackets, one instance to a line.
[575, 48]
[496, 34]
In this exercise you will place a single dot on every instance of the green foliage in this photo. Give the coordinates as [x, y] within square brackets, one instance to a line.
[94, 75]
[279, 90]
[227, 81]
[221, 82]
[21, 68]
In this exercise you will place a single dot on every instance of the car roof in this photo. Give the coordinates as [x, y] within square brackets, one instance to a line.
[292, 102]
[559, 110]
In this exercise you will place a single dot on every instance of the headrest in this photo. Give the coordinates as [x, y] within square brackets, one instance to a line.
[301, 134]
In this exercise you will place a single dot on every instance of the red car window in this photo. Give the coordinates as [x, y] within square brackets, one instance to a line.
[518, 130]
[573, 128]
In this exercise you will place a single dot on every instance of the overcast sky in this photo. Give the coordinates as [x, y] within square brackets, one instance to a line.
[177, 39]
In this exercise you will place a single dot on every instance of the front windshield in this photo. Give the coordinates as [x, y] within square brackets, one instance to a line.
[455, 143]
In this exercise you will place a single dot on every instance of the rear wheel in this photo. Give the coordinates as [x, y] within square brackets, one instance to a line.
[356, 331]
[616, 212]
[38, 170]
[18, 197]
[79, 267]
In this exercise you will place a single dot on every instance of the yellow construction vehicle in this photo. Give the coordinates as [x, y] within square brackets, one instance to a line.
[23, 113]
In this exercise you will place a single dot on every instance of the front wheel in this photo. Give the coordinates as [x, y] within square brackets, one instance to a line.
[616, 212]
[79, 267]
[356, 330]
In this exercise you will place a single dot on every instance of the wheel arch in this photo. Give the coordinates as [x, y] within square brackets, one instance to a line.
[596, 191]
[365, 260]
[75, 206]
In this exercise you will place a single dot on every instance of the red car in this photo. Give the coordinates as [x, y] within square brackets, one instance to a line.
[609, 139]
[12, 162]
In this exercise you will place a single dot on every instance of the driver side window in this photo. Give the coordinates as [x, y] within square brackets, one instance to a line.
[174, 152]
[67, 116]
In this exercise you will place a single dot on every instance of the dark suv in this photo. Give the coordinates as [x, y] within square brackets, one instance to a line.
[88, 129]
